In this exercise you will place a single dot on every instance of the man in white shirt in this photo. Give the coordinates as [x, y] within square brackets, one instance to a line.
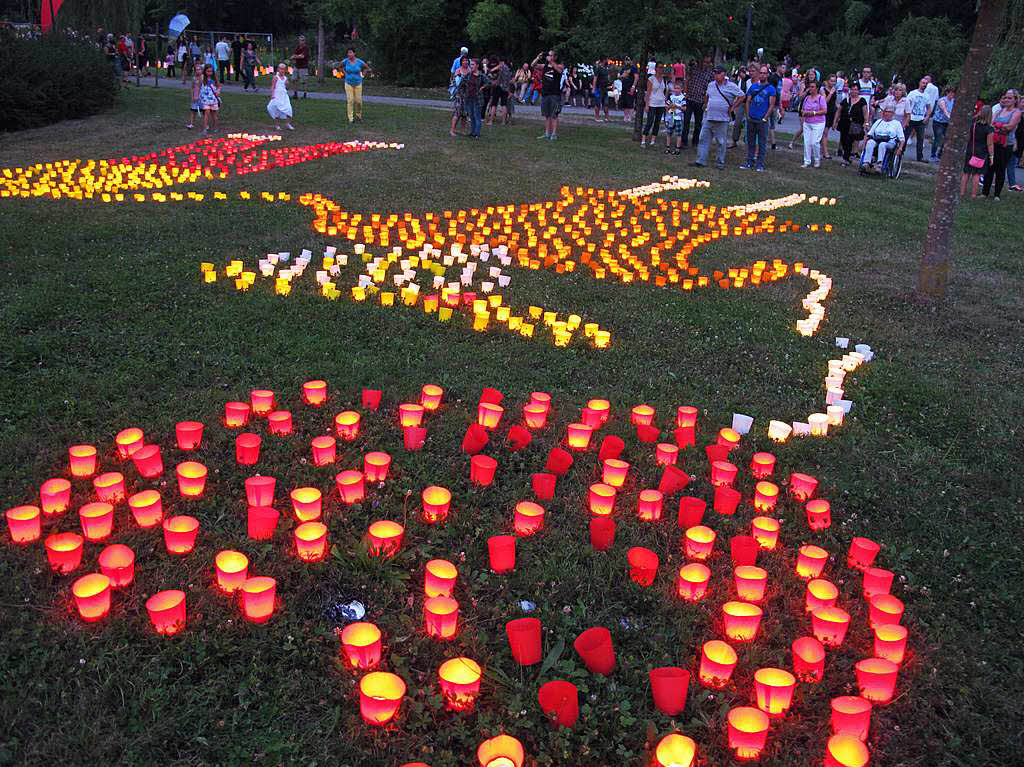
[223, 57]
[920, 114]
[932, 90]
[720, 101]
[886, 134]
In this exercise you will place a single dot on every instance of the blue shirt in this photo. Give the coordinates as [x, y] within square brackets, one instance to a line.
[457, 62]
[760, 96]
[354, 72]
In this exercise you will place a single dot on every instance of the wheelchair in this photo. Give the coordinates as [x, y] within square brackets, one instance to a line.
[892, 165]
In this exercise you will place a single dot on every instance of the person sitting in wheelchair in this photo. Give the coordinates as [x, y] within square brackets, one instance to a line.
[886, 135]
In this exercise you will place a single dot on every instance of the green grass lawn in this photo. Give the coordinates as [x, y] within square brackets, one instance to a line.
[107, 325]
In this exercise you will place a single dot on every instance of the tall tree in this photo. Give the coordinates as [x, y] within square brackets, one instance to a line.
[933, 271]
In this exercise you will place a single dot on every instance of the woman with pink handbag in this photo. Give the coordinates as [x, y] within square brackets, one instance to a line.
[980, 151]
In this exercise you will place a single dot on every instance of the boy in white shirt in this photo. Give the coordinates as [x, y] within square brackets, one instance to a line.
[674, 112]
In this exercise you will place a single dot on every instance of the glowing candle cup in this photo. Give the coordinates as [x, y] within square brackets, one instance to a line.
[92, 597]
[117, 562]
[361, 645]
[257, 596]
[460, 683]
[64, 552]
[167, 611]
[311, 541]
[380, 696]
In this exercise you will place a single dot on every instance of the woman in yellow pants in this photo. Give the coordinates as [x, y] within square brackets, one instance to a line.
[355, 70]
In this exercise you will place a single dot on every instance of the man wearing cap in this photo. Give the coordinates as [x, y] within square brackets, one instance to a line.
[720, 99]
[457, 61]
[886, 134]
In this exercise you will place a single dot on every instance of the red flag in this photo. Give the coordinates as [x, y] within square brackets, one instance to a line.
[48, 13]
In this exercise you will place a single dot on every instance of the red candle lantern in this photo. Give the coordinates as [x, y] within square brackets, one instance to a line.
[614, 472]
[410, 415]
[877, 581]
[351, 486]
[502, 751]
[560, 701]
[876, 679]
[232, 568]
[191, 479]
[611, 447]
[642, 415]
[441, 617]
[439, 578]
[64, 552]
[726, 500]
[430, 396]
[675, 750]
[559, 461]
[259, 490]
[481, 470]
[765, 531]
[862, 553]
[375, 466]
[311, 541]
[117, 562]
[601, 499]
[762, 465]
[716, 453]
[666, 454]
[579, 436]
[236, 414]
[829, 625]
[361, 645]
[501, 551]
[748, 731]
[541, 398]
[535, 415]
[24, 524]
[371, 398]
[669, 685]
[247, 449]
[723, 473]
[262, 401]
[325, 450]
[314, 393]
[692, 581]
[460, 683]
[307, 503]
[810, 561]
[380, 696]
[717, 662]
[436, 504]
[802, 486]
[128, 441]
[82, 460]
[600, 408]
[820, 593]
[808, 659]
[673, 479]
[92, 597]
[851, 715]
[699, 542]
[884, 610]
[728, 438]
[491, 395]
[648, 434]
[384, 538]
[55, 496]
[846, 751]
[148, 461]
[819, 514]
[741, 620]
[489, 415]
[686, 416]
[685, 436]
[346, 425]
[743, 550]
[109, 487]
[518, 437]
[891, 642]
[750, 582]
[413, 437]
[691, 511]
[774, 690]
[257, 596]
[528, 518]
[261, 521]
[97, 520]
[543, 485]
[524, 640]
[180, 534]
[167, 611]
[475, 439]
[765, 496]
[643, 565]
[594, 646]
[279, 422]
[602, 533]
[648, 505]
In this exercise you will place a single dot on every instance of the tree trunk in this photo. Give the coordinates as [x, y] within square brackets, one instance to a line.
[320, 49]
[933, 271]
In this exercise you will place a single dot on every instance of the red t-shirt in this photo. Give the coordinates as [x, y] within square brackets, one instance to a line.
[679, 71]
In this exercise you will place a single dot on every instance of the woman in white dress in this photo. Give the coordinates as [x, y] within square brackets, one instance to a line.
[280, 106]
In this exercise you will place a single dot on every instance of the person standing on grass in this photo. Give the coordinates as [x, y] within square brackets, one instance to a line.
[980, 152]
[920, 113]
[355, 70]
[249, 63]
[550, 93]
[940, 122]
[850, 121]
[601, 89]
[814, 111]
[501, 86]
[300, 60]
[280, 106]
[223, 50]
[760, 100]
[195, 107]
[675, 109]
[236, 55]
[720, 100]
[169, 63]
[182, 56]
[697, 82]
[739, 116]
[1005, 118]
[629, 75]
[655, 101]
[830, 90]
[470, 87]
[195, 54]
[209, 98]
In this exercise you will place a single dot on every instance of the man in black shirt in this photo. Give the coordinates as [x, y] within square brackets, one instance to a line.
[300, 60]
[550, 93]
[236, 56]
[601, 89]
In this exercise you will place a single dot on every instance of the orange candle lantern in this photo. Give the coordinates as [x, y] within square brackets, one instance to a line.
[643, 565]
[535, 415]
[810, 561]
[884, 610]
[675, 750]
[723, 473]
[481, 470]
[579, 436]
[501, 553]
[92, 596]
[891, 642]
[851, 715]
[802, 486]
[846, 751]
[728, 438]
[877, 581]
[762, 465]
[774, 690]
[692, 582]
[375, 466]
[24, 524]
[614, 471]
[528, 518]
[741, 620]
[311, 541]
[384, 538]
[279, 422]
[82, 460]
[351, 486]
[261, 401]
[307, 503]
[765, 531]
[765, 496]
[346, 425]
[325, 450]
[876, 679]
[148, 461]
[436, 503]
[439, 578]
[699, 542]
[236, 414]
[460, 683]
[691, 511]
[232, 568]
[489, 415]
[501, 751]
[748, 731]
[666, 454]
[314, 393]
[128, 441]
[410, 415]
[819, 514]
[862, 553]
[686, 416]
[64, 552]
[820, 593]
[191, 479]
[257, 596]
[361, 645]
[97, 520]
[259, 490]
[247, 449]
[750, 582]
[829, 625]
[601, 499]
[180, 534]
[117, 562]
[642, 415]
[441, 617]
[167, 611]
[648, 505]
[808, 659]
[380, 696]
[188, 434]
[260, 522]
[717, 662]
[55, 496]
[109, 487]
[430, 396]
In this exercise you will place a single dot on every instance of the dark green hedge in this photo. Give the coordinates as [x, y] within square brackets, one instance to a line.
[51, 79]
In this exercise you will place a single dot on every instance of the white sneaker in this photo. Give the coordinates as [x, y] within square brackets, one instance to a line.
[817, 164]
[806, 165]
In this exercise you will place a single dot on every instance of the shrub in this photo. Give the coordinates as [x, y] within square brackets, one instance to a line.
[51, 79]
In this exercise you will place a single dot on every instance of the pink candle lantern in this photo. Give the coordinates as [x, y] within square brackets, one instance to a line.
[741, 621]
[691, 511]
[642, 415]
[716, 453]
[877, 581]
[723, 473]
[774, 690]
[762, 465]
[686, 416]
[307, 503]
[147, 508]
[535, 416]
[846, 751]
[802, 486]
[191, 479]
[64, 552]
[376, 466]
[436, 504]
[666, 454]
[414, 437]
[117, 562]
[692, 581]
[92, 597]
[543, 485]
[384, 538]
[810, 561]
[891, 642]
[750, 582]
[614, 471]
[24, 524]
[54, 496]
[232, 570]
[675, 750]
[819, 514]
[490, 394]
[876, 679]
[128, 441]
[259, 490]
[167, 611]
[862, 553]
[346, 425]
[829, 625]
[148, 461]
[97, 520]
[820, 593]
[728, 438]
[279, 423]
[180, 534]
[109, 487]
[673, 479]
[371, 398]
[601, 499]
[257, 596]
[82, 460]
[460, 683]
[643, 565]
[325, 450]
[579, 436]
[765, 496]
[481, 469]
[351, 486]
[747, 731]
[236, 414]
[247, 448]
[765, 531]
[439, 578]
[884, 610]
[361, 645]
[808, 659]
[502, 751]
[314, 393]
[541, 398]
[475, 439]
[380, 697]
[559, 461]
[717, 662]
[726, 500]
[528, 518]
[851, 715]
[430, 397]
[699, 542]
[685, 436]
[311, 541]
[743, 550]
[489, 415]
[648, 505]
[410, 415]
[441, 617]
[261, 401]
[599, 410]
[261, 521]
